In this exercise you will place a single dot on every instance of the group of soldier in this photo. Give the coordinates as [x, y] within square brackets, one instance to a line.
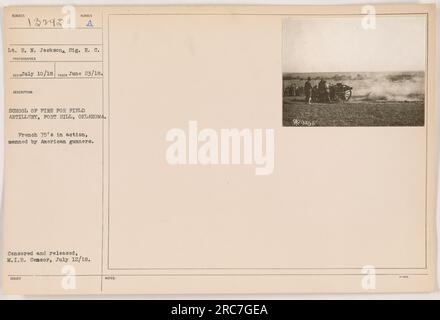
[320, 92]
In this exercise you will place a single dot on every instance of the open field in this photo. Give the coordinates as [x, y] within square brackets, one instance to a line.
[352, 113]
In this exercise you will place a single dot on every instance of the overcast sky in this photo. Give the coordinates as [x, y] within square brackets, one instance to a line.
[338, 44]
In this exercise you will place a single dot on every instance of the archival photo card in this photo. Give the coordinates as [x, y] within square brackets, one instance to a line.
[151, 150]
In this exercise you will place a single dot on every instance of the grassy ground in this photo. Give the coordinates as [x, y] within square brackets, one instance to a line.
[352, 113]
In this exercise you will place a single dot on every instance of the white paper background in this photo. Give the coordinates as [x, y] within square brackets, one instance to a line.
[3, 3]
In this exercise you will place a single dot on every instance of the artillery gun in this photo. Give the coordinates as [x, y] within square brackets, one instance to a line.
[340, 92]
[331, 93]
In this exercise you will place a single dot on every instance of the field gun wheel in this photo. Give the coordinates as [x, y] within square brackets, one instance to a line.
[347, 95]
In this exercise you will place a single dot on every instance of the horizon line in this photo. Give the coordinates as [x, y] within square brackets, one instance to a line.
[353, 71]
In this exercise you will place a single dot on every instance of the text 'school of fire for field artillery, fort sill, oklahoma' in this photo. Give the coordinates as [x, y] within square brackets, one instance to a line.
[226, 149]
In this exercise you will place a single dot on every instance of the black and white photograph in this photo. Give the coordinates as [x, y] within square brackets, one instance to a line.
[340, 71]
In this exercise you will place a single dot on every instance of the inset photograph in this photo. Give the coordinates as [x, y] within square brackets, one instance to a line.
[338, 71]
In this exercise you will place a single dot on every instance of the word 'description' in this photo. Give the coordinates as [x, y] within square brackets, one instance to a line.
[226, 147]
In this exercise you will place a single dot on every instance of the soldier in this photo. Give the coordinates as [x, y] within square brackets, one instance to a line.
[308, 90]
[323, 90]
[332, 92]
[327, 92]
[315, 93]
